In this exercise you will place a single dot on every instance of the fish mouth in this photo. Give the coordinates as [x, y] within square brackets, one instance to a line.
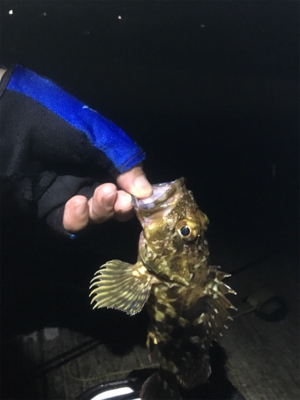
[161, 192]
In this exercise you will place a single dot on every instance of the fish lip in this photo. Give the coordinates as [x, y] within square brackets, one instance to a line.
[159, 197]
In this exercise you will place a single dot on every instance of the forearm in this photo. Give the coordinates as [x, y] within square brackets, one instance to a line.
[50, 142]
[60, 127]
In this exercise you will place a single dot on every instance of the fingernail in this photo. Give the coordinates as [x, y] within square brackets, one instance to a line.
[109, 199]
[125, 200]
[80, 209]
[141, 183]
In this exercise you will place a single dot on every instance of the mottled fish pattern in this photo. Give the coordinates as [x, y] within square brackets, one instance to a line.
[185, 297]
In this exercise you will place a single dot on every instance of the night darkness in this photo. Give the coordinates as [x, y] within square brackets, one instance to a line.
[209, 89]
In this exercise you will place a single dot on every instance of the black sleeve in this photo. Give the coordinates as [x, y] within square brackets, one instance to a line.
[53, 146]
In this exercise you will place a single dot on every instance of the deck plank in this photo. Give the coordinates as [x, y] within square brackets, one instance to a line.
[68, 363]
[263, 357]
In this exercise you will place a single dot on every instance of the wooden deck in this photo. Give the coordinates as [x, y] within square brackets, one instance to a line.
[262, 357]
[57, 363]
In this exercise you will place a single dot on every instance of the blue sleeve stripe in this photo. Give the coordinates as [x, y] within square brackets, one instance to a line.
[103, 134]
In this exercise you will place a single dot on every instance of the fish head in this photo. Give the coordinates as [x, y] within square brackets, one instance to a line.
[173, 231]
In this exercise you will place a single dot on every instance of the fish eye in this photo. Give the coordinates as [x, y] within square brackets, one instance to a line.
[185, 231]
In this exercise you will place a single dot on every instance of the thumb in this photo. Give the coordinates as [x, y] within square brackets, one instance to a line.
[135, 182]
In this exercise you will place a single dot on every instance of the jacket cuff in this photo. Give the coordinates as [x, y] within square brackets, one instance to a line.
[101, 132]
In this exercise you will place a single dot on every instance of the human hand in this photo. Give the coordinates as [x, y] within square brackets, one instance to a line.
[107, 201]
[57, 150]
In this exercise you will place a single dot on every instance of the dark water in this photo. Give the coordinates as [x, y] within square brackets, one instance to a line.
[208, 89]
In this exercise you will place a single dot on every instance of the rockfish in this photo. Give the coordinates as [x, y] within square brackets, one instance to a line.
[184, 296]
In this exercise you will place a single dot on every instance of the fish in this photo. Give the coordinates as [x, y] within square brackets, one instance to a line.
[184, 296]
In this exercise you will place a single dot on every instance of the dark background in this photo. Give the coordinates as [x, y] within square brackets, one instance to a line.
[209, 89]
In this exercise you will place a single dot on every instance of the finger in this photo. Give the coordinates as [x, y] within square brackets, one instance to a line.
[135, 182]
[76, 214]
[123, 206]
[101, 205]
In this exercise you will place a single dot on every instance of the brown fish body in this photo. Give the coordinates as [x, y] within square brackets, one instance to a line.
[184, 321]
[185, 297]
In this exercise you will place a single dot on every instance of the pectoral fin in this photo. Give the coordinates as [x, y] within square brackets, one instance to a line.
[123, 286]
